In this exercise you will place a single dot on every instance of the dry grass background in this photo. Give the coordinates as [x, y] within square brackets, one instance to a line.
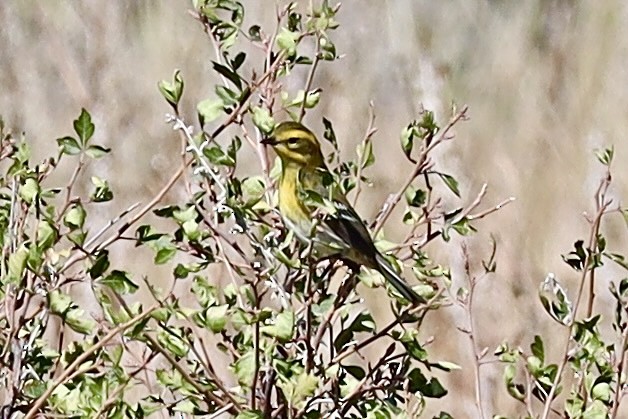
[546, 82]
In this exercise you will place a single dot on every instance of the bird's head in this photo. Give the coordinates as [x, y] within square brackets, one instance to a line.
[296, 145]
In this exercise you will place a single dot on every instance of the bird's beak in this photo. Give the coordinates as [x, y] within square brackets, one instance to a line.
[269, 141]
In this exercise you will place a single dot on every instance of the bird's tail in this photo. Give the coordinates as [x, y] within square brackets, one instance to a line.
[384, 267]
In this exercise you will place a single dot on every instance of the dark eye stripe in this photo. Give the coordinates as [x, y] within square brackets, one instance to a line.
[293, 140]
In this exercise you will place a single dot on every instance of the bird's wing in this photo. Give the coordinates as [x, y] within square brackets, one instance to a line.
[342, 229]
[339, 223]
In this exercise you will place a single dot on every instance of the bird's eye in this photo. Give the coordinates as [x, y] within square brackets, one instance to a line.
[293, 141]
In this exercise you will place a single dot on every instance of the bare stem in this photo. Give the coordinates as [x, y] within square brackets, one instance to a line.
[601, 206]
[70, 369]
[421, 164]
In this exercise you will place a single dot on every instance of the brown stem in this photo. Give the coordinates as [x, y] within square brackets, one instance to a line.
[601, 205]
[310, 77]
[620, 373]
[70, 369]
[420, 165]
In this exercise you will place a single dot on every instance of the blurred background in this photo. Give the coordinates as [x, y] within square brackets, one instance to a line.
[546, 82]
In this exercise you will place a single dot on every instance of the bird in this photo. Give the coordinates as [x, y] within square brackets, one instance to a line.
[338, 231]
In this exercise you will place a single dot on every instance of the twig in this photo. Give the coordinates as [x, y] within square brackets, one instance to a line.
[185, 374]
[70, 186]
[114, 396]
[156, 199]
[489, 211]
[370, 130]
[398, 320]
[420, 165]
[601, 205]
[69, 370]
[600, 198]
[620, 374]
[471, 333]
[110, 224]
[310, 76]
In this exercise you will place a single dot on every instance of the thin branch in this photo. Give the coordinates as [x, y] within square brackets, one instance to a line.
[601, 205]
[420, 165]
[384, 331]
[620, 373]
[310, 76]
[471, 333]
[70, 369]
[370, 131]
[156, 199]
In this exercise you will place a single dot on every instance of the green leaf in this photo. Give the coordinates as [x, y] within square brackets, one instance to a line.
[47, 235]
[407, 141]
[330, 135]
[228, 96]
[328, 49]
[418, 383]
[355, 370]
[97, 151]
[59, 302]
[311, 100]
[30, 190]
[185, 406]
[244, 369]
[365, 154]
[100, 264]
[362, 323]
[216, 318]
[164, 255]
[596, 410]
[102, 192]
[253, 189]
[602, 391]
[299, 389]
[255, 33]
[75, 217]
[283, 327]
[555, 300]
[577, 257]
[463, 227]
[287, 41]
[515, 390]
[173, 343]
[411, 344]
[188, 214]
[218, 157]
[237, 62]
[605, 156]
[69, 146]
[447, 366]
[624, 213]
[206, 294]
[451, 183]
[191, 230]
[250, 414]
[537, 348]
[84, 127]
[209, 110]
[231, 75]
[146, 233]
[415, 197]
[263, 120]
[172, 91]
[17, 263]
[77, 321]
[120, 282]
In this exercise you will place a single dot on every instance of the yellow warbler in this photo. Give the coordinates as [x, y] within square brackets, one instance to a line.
[306, 189]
